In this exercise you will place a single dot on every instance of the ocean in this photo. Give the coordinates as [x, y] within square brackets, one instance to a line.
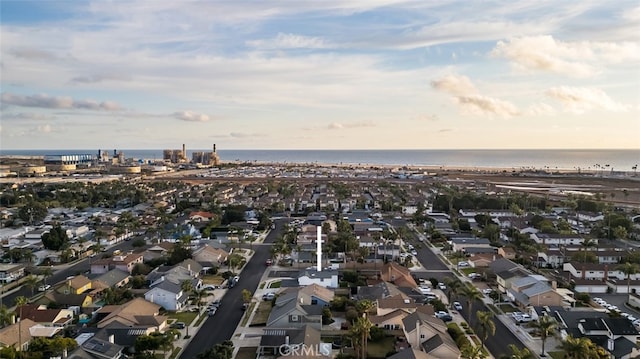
[593, 160]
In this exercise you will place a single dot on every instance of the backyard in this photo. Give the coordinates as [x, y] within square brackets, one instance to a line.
[380, 348]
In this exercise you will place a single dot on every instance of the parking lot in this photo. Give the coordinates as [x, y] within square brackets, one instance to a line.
[619, 301]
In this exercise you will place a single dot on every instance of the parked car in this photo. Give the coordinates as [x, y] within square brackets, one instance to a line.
[444, 316]
[178, 325]
[487, 291]
[43, 288]
[457, 306]
[424, 290]
[521, 317]
[442, 286]
[212, 311]
[463, 264]
[244, 306]
[269, 262]
[268, 296]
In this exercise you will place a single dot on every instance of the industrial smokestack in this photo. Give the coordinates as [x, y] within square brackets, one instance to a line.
[214, 148]
[184, 151]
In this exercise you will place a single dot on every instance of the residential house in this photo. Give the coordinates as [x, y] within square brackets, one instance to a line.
[17, 335]
[389, 251]
[291, 313]
[616, 335]
[387, 305]
[94, 347]
[47, 317]
[430, 335]
[534, 290]
[377, 291]
[136, 312]
[66, 300]
[327, 279]
[391, 320]
[274, 339]
[316, 295]
[596, 271]
[558, 239]
[123, 262]
[461, 243]
[410, 353]
[507, 252]
[493, 213]
[11, 272]
[398, 275]
[168, 294]
[209, 257]
[481, 260]
[114, 278]
[507, 271]
[201, 216]
[74, 285]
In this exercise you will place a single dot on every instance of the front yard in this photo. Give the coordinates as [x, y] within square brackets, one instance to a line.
[262, 313]
[216, 280]
[185, 317]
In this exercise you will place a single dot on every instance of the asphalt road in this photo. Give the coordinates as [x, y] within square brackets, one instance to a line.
[497, 344]
[223, 324]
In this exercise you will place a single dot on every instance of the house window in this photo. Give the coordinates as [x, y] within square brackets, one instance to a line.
[421, 336]
[314, 301]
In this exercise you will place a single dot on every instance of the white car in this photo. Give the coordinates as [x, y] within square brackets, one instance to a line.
[424, 290]
[414, 252]
[487, 291]
[463, 264]
[632, 318]
[624, 315]
[44, 288]
[475, 275]
[457, 306]
[442, 286]
[596, 299]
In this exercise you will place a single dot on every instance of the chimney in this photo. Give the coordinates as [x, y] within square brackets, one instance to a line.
[301, 301]
[554, 284]
[286, 340]
[418, 334]
[111, 339]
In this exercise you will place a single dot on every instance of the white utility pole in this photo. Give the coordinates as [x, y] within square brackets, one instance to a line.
[319, 249]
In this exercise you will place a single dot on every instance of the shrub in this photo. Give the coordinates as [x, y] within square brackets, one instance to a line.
[351, 314]
[377, 334]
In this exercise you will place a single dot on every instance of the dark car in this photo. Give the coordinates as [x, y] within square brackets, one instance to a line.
[178, 325]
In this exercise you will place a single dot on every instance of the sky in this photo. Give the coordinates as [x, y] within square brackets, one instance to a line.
[331, 74]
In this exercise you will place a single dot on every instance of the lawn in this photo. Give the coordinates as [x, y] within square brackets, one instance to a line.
[556, 355]
[507, 308]
[275, 284]
[212, 279]
[185, 317]
[379, 349]
[262, 313]
[247, 314]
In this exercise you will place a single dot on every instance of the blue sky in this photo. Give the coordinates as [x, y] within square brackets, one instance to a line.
[374, 74]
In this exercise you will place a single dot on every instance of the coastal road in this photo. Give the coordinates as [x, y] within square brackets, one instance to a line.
[223, 324]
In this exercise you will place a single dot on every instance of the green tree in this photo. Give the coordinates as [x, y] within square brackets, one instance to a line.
[629, 269]
[472, 352]
[487, 326]
[31, 282]
[586, 244]
[55, 239]
[360, 332]
[546, 327]
[246, 296]
[472, 294]
[186, 286]
[222, 350]
[6, 316]
[517, 353]
[32, 212]
[453, 287]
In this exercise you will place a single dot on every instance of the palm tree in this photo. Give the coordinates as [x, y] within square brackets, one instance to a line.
[517, 353]
[487, 326]
[186, 286]
[31, 281]
[472, 352]
[198, 295]
[547, 327]
[20, 301]
[6, 316]
[46, 273]
[453, 287]
[361, 331]
[575, 348]
[472, 294]
[586, 244]
[628, 269]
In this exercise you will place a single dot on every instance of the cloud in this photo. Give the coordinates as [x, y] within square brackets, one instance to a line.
[574, 59]
[26, 116]
[583, 99]
[34, 54]
[191, 116]
[244, 135]
[445, 130]
[466, 95]
[290, 41]
[454, 84]
[99, 78]
[50, 102]
[541, 109]
[482, 105]
[340, 126]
